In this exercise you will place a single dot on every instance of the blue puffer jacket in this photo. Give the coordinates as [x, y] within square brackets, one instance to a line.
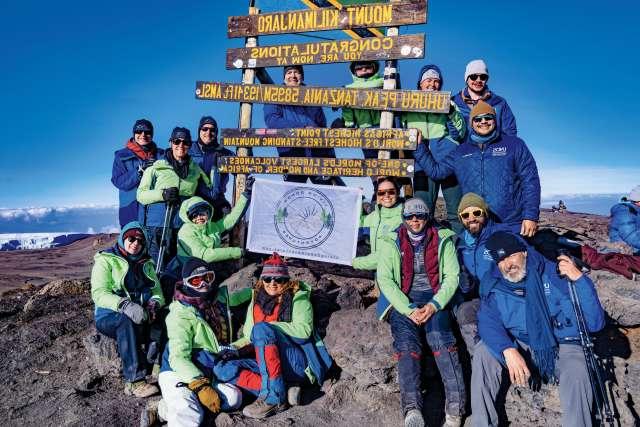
[625, 224]
[504, 173]
[126, 177]
[473, 256]
[208, 162]
[502, 314]
[505, 120]
[293, 116]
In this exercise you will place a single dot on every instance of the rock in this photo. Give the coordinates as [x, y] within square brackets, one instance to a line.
[619, 297]
[244, 278]
[103, 354]
[349, 297]
[56, 288]
[223, 420]
[88, 382]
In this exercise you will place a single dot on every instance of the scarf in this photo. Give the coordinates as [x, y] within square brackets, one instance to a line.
[464, 94]
[180, 168]
[209, 309]
[416, 239]
[542, 341]
[430, 258]
[267, 303]
[480, 140]
[143, 152]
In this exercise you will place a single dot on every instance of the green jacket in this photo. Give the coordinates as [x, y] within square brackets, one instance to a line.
[203, 240]
[107, 281]
[357, 118]
[434, 125]
[188, 331]
[161, 175]
[380, 222]
[389, 271]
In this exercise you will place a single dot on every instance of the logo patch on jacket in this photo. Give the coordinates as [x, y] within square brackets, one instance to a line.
[499, 151]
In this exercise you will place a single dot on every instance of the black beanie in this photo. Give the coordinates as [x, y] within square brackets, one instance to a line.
[295, 67]
[353, 65]
[142, 125]
[181, 133]
[193, 266]
[502, 244]
[207, 120]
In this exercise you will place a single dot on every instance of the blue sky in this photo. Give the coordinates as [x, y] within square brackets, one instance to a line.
[76, 75]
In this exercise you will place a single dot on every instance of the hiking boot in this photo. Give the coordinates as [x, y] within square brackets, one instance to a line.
[293, 395]
[413, 418]
[452, 421]
[140, 389]
[262, 409]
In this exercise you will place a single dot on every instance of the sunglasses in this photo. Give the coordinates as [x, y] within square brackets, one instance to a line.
[181, 141]
[132, 239]
[144, 132]
[482, 77]
[211, 129]
[421, 216]
[391, 192]
[199, 213]
[488, 118]
[476, 213]
[201, 280]
[278, 280]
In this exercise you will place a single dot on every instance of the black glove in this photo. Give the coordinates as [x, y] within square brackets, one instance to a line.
[171, 195]
[248, 186]
[228, 353]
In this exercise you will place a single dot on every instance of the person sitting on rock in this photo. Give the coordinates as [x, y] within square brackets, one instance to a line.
[417, 275]
[386, 217]
[527, 325]
[288, 352]
[200, 326]
[128, 298]
[624, 225]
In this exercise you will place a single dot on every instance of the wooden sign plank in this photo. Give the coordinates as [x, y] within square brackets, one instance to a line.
[373, 138]
[326, 52]
[329, 18]
[355, 33]
[316, 166]
[368, 99]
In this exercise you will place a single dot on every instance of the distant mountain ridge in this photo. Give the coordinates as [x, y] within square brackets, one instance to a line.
[599, 204]
[74, 219]
[21, 241]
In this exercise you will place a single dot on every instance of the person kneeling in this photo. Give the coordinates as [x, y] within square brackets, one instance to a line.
[200, 328]
[288, 351]
[128, 297]
[527, 324]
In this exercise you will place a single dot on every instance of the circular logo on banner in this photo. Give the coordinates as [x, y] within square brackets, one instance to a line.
[304, 218]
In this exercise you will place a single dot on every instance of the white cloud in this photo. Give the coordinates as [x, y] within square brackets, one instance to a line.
[587, 180]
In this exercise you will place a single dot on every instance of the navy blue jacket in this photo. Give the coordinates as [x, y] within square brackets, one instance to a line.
[293, 116]
[505, 120]
[625, 224]
[126, 175]
[208, 162]
[502, 314]
[503, 172]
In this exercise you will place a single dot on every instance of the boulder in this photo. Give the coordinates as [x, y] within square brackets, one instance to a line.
[103, 354]
[619, 297]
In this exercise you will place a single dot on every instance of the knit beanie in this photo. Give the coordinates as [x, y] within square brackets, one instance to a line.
[199, 208]
[415, 206]
[502, 244]
[472, 200]
[353, 65]
[274, 266]
[477, 66]
[181, 133]
[142, 125]
[430, 74]
[295, 67]
[207, 120]
[634, 195]
[481, 109]
[193, 267]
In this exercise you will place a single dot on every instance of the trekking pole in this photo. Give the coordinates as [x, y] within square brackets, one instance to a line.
[605, 415]
[168, 214]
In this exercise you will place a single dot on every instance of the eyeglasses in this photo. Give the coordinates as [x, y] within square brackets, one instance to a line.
[278, 280]
[420, 216]
[132, 239]
[482, 77]
[181, 141]
[144, 132]
[487, 118]
[390, 192]
[211, 129]
[476, 213]
[201, 280]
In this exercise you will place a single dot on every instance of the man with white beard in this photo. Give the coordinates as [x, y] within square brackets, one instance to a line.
[527, 325]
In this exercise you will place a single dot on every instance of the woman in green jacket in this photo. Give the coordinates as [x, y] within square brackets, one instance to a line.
[385, 218]
[202, 322]
[127, 296]
[288, 352]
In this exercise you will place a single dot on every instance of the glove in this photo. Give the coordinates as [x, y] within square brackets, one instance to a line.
[171, 195]
[133, 311]
[207, 396]
[248, 187]
[152, 309]
[228, 352]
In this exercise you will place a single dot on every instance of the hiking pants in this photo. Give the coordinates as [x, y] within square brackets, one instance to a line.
[408, 346]
[128, 340]
[279, 361]
[427, 189]
[466, 314]
[576, 396]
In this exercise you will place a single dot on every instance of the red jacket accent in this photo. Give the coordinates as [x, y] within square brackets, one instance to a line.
[430, 258]
[139, 152]
[259, 316]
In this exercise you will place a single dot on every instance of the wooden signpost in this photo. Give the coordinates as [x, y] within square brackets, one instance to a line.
[371, 138]
[316, 166]
[325, 52]
[323, 19]
[374, 99]
[355, 33]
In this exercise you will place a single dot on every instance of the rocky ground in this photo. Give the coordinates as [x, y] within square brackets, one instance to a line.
[53, 370]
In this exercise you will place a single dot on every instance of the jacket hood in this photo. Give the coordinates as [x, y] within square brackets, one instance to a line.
[130, 226]
[187, 204]
[430, 67]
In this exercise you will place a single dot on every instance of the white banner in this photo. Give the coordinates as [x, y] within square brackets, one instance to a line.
[317, 222]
